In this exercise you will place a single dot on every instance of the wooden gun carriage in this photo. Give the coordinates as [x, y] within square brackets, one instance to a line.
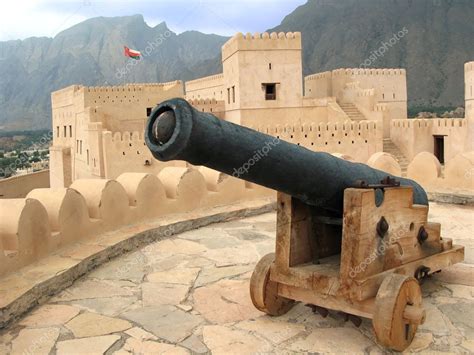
[355, 265]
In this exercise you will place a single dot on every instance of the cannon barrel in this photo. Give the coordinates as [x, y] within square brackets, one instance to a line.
[177, 131]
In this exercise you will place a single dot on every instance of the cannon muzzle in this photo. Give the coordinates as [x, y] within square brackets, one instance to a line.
[177, 131]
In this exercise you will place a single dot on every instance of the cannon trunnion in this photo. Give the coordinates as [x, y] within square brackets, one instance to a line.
[348, 237]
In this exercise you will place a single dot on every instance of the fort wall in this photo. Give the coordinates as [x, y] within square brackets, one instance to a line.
[48, 220]
[261, 41]
[389, 84]
[127, 151]
[413, 136]
[469, 89]
[80, 115]
[216, 107]
[425, 169]
[379, 94]
[209, 87]
[358, 139]
[469, 103]
[318, 85]
[20, 185]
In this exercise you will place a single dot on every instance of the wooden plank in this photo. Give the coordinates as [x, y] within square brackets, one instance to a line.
[363, 309]
[369, 286]
[364, 252]
[323, 277]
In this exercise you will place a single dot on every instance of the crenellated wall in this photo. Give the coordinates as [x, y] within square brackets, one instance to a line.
[127, 151]
[261, 41]
[318, 85]
[209, 87]
[413, 136]
[80, 116]
[389, 84]
[424, 168]
[52, 218]
[358, 139]
[379, 94]
[216, 107]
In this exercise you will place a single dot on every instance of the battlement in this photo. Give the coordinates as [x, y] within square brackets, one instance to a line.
[469, 66]
[133, 87]
[366, 92]
[125, 136]
[204, 80]
[429, 122]
[360, 71]
[264, 41]
[196, 102]
[50, 219]
[67, 90]
[317, 76]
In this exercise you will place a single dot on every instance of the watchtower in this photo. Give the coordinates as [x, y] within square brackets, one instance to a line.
[261, 72]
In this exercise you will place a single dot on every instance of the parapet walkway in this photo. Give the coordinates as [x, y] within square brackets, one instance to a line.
[189, 293]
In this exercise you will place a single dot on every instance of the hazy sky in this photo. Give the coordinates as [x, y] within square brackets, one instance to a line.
[20, 19]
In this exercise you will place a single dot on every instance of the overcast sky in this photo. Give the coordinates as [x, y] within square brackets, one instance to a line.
[20, 19]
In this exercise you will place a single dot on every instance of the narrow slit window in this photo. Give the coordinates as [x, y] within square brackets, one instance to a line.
[233, 94]
[228, 95]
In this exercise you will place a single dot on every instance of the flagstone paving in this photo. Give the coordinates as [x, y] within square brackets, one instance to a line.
[189, 294]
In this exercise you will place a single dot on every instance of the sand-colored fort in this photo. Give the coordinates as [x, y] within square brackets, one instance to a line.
[107, 195]
[98, 131]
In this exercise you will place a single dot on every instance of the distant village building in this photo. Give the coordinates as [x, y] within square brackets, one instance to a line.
[98, 131]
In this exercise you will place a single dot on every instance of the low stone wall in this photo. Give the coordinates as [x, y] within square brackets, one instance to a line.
[35, 284]
[457, 177]
[50, 219]
[20, 185]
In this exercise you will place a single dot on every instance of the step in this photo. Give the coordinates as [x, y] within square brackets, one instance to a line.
[391, 148]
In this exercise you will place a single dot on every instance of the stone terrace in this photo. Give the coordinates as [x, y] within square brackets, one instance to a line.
[190, 293]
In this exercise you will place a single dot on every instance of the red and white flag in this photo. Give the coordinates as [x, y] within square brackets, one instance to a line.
[131, 53]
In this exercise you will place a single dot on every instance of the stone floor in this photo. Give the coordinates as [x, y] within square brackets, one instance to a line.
[189, 294]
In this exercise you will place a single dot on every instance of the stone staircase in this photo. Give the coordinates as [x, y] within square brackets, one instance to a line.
[352, 111]
[391, 148]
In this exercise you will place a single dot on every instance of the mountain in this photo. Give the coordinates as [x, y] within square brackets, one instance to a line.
[91, 53]
[438, 40]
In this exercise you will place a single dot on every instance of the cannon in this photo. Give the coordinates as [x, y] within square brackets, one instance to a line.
[349, 238]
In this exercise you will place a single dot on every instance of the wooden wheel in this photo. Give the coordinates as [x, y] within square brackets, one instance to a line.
[398, 311]
[264, 293]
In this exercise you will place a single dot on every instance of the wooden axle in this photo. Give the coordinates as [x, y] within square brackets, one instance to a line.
[414, 315]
